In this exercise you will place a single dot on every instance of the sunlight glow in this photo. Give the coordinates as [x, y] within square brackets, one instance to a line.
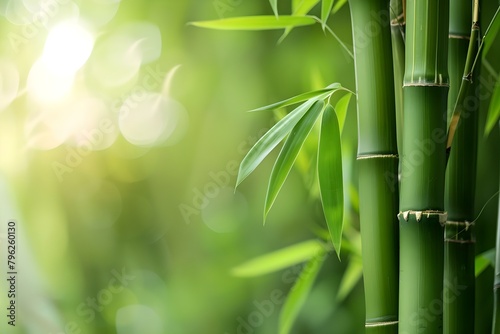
[45, 85]
[152, 120]
[9, 83]
[67, 48]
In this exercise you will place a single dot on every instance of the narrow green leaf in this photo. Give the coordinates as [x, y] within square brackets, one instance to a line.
[341, 110]
[351, 277]
[338, 5]
[491, 33]
[298, 294]
[300, 8]
[330, 176]
[265, 22]
[493, 110]
[274, 6]
[279, 259]
[484, 260]
[326, 9]
[320, 94]
[289, 153]
[269, 141]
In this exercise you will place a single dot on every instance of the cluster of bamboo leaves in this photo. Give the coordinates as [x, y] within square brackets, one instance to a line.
[315, 108]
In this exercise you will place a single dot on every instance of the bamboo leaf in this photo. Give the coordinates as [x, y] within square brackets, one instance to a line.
[298, 294]
[484, 260]
[264, 22]
[279, 259]
[341, 110]
[289, 153]
[320, 94]
[493, 110]
[269, 141]
[305, 7]
[274, 6]
[338, 5]
[330, 176]
[351, 277]
[295, 5]
[491, 33]
[326, 9]
[299, 8]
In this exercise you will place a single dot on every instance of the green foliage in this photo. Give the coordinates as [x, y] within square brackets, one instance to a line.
[330, 176]
[269, 141]
[326, 9]
[491, 33]
[351, 277]
[322, 93]
[484, 260]
[338, 5]
[298, 295]
[289, 153]
[263, 22]
[341, 110]
[494, 110]
[279, 259]
[299, 124]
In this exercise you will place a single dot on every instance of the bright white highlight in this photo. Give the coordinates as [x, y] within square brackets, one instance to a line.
[67, 48]
[44, 85]
[152, 120]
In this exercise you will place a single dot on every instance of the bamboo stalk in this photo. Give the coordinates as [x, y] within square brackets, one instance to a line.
[459, 278]
[398, 26]
[378, 162]
[423, 167]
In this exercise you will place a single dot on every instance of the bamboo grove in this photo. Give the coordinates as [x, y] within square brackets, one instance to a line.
[417, 67]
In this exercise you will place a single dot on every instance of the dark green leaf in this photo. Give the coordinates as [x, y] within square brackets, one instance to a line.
[265, 22]
[279, 259]
[494, 110]
[298, 295]
[330, 176]
[320, 94]
[326, 9]
[269, 141]
[289, 153]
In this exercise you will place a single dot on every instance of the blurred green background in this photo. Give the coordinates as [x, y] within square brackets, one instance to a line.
[121, 130]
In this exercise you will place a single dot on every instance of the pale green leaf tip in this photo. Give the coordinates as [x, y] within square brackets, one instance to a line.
[337, 248]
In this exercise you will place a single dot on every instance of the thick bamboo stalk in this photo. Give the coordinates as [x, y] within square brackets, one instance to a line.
[423, 167]
[378, 162]
[459, 278]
